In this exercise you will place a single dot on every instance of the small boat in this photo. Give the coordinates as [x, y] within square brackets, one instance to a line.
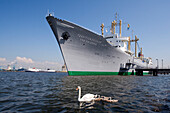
[47, 71]
[32, 70]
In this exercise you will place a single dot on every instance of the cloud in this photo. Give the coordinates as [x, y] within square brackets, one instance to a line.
[2, 59]
[24, 60]
[51, 63]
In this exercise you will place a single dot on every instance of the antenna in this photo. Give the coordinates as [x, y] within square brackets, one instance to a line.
[132, 34]
[48, 12]
[116, 17]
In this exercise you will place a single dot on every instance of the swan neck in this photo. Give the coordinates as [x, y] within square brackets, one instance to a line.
[79, 93]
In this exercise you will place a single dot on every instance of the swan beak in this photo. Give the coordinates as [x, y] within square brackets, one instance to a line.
[77, 88]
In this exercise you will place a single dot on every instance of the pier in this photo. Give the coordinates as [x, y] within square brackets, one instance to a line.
[153, 71]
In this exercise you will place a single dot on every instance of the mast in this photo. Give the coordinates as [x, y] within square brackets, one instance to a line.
[136, 39]
[102, 26]
[120, 28]
[114, 27]
[141, 53]
[129, 44]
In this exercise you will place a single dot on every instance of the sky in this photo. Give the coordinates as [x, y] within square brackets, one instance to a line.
[26, 39]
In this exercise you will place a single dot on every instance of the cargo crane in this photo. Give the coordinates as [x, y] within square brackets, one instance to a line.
[14, 66]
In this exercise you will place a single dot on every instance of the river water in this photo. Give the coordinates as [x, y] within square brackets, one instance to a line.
[56, 92]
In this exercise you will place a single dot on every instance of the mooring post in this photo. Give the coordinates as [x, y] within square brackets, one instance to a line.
[155, 72]
[142, 73]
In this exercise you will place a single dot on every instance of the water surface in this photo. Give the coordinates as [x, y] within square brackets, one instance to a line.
[55, 92]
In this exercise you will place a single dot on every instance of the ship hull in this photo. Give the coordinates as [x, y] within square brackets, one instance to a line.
[87, 53]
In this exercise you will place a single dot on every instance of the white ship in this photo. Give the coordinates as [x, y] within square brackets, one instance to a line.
[32, 70]
[87, 53]
[48, 71]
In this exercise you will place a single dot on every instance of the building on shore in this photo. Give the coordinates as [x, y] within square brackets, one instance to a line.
[9, 68]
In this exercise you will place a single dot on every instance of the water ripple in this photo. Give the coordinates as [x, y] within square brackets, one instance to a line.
[55, 92]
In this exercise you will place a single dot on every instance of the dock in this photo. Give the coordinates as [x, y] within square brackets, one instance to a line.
[152, 71]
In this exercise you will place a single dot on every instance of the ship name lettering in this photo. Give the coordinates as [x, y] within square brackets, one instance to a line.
[88, 38]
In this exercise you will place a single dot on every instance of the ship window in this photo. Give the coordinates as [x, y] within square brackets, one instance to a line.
[83, 44]
[113, 56]
[116, 40]
[118, 57]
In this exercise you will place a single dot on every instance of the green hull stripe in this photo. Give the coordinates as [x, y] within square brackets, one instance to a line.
[145, 73]
[76, 73]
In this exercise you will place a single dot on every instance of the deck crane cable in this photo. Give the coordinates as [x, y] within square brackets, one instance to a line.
[138, 46]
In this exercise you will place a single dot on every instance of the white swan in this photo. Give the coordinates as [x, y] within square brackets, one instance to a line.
[92, 98]
[86, 98]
